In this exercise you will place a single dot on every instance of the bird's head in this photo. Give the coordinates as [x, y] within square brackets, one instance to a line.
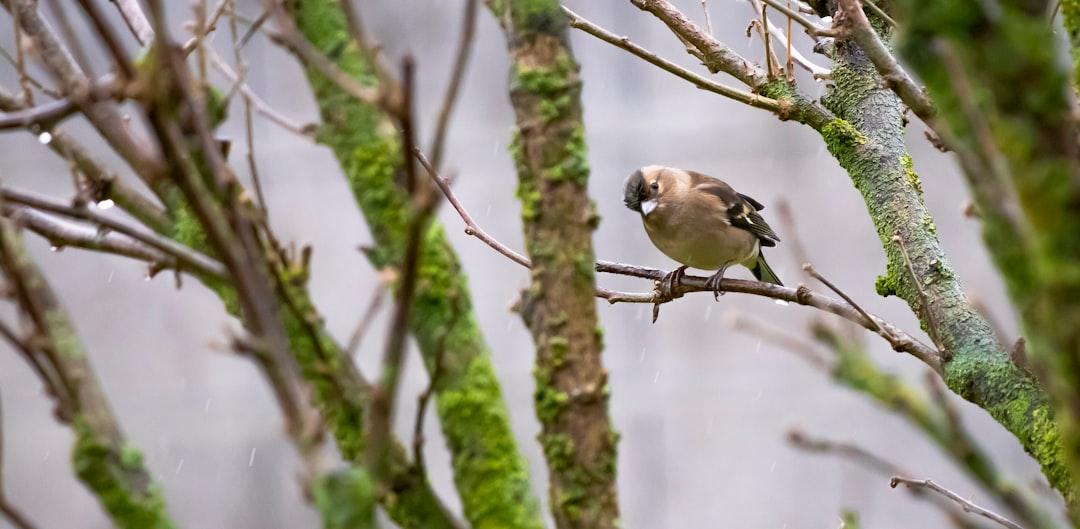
[643, 189]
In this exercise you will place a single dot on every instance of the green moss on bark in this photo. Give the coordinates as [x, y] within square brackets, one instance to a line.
[118, 479]
[346, 499]
[867, 141]
[549, 152]
[1023, 99]
[490, 474]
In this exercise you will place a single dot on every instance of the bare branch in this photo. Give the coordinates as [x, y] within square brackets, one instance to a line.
[754, 100]
[964, 503]
[924, 300]
[899, 340]
[879, 12]
[257, 103]
[424, 200]
[141, 155]
[708, 19]
[847, 450]
[357, 336]
[817, 71]
[461, 61]
[136, 21]
[61, 234]
[717, 56]
[812, 29]
[813, 273]
[43, 115]
[289, 37]
[807, 350]
[857, 27]
[185, 257]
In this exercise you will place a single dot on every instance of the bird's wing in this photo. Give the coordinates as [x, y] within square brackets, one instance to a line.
[742, 210]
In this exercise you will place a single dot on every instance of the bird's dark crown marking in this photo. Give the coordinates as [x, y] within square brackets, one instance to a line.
[635, 191]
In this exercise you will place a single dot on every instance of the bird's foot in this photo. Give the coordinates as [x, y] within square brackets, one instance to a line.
[669, 285]
[668, 289]
[713, 283]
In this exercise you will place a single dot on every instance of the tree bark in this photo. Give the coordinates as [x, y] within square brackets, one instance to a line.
[491, 475]
[559, 307]
[1012, 123]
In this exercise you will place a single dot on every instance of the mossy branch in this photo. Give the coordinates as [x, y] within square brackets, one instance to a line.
[1004, 95]
[111, 468]
[490, 474]
[548, 147]
[867, 140]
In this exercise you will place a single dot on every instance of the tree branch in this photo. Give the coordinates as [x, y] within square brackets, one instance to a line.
[549, 151]
[967, 505]
[103, 459]
[183, 256]
[898, 339]
[717, 56]
[461, 61]
[490, 474]
[857, 27]
[754, 100]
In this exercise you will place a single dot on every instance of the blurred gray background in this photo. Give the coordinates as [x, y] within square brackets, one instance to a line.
[703, 410]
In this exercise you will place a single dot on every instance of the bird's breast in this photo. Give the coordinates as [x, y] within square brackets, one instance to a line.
[702, 241]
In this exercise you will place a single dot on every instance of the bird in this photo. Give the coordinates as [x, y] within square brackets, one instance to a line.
[701, 222]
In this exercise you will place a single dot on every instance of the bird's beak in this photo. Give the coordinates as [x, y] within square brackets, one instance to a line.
[647, 207]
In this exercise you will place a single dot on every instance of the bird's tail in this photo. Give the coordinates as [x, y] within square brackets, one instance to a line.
[763, 272]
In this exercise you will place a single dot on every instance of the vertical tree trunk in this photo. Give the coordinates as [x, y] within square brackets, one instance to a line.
[491, 476]
[559, 306]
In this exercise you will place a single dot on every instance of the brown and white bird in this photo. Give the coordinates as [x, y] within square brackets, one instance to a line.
[701, 222]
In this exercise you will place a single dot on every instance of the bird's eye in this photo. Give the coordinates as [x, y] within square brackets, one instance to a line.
[654, 186]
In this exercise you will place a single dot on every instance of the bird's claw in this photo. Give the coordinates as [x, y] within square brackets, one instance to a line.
[669, 285]
[713, 283]
[668, 289]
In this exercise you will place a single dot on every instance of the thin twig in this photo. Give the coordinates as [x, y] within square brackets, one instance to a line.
[813, 273]
[898, 339]
[184, 255]
[964, 503]
[879, 12]
[424, 398]
[249, 130]
[258, 103]
[708, 19]
[423, 202]
[136, 21]
[806, 350]
[207, 27]
[811, 28]
[924, 300]
[716, 56]
[254, 28]
[362, 326]
[770, 63]
[70, 36]
[851, 451]
[461, 61]
[109, 37]
[817, 71]
[754, 100]
[20, 63]
[288, 36]
[857, 27]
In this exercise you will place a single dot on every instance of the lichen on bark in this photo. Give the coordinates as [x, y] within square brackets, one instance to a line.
[1004, 96]
[549, 152]
[491, 475]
